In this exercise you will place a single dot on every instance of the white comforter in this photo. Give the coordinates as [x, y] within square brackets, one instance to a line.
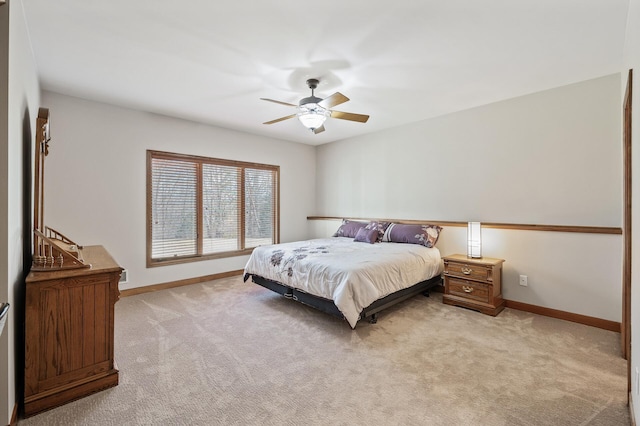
[352, 274]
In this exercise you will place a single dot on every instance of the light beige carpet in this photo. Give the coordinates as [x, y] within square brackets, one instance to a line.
[233, 353]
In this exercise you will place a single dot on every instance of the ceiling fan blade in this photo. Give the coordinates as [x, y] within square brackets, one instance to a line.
[278, 102]
[280, 119]
[333, 100]
[349, 116]
[319, 130]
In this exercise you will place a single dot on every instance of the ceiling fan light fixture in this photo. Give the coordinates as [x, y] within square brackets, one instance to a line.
[313, 116]
[314, 111]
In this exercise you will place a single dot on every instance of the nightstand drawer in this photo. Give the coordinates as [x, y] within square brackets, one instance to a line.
[469, 271]
[469, 289]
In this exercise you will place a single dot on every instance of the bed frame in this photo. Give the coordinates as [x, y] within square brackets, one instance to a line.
[326, 305]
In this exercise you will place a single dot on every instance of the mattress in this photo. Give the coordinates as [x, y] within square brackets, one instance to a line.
[351, 274]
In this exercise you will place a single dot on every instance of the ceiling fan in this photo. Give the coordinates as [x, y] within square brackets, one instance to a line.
[313, 111]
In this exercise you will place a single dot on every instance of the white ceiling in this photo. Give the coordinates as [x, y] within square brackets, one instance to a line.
[398, 61]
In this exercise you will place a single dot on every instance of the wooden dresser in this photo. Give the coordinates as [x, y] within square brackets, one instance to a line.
[473, 283]
[69, 332]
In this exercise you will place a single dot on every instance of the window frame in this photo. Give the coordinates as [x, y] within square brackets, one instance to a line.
[199, 161]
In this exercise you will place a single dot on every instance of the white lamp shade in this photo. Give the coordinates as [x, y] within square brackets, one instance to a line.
[311, 120]
[474, 240]
[312, 116]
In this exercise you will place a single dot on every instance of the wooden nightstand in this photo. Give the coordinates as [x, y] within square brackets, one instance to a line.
[473, 283]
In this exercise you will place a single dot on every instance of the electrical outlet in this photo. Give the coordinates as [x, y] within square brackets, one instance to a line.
[637, 381]
[523, 281]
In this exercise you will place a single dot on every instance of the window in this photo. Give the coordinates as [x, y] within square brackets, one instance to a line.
[204, 208]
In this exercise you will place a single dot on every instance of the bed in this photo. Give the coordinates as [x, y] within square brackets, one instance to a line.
[349, 277]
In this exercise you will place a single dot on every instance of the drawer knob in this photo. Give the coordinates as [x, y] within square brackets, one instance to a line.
[466, 270]
[467, 289]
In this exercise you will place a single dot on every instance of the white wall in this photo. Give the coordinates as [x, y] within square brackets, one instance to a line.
[552, 157]
[20, 107]
[632, 61]
[95, 176]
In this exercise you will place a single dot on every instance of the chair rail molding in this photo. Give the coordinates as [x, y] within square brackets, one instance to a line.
[512, 226]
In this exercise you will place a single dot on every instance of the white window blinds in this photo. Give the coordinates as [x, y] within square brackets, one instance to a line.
[259, 211]
[221, 195]
[174, 208]
[200, 208]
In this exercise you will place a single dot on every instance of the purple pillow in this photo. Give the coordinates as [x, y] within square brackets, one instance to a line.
[349, 228]
[380, 227]
[426, 235]
[365, 235]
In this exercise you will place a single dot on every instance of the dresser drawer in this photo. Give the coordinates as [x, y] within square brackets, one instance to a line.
[469, 271]
[472, 290]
